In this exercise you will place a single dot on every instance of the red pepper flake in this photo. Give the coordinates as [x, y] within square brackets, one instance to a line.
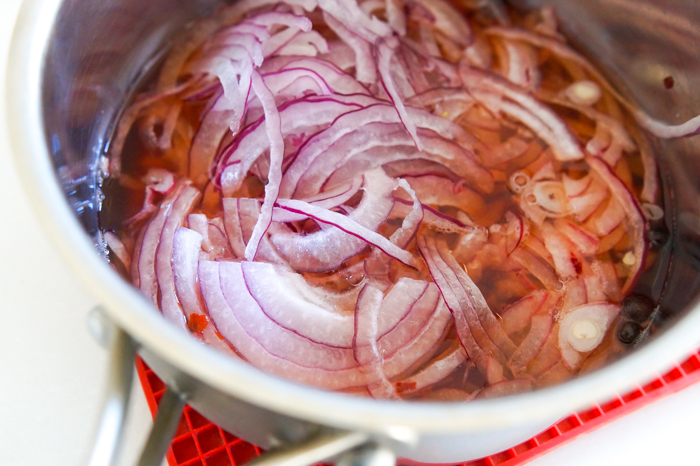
[405, 386]
[669, 82]
[218, 335]
[197, 322]
[577, 264]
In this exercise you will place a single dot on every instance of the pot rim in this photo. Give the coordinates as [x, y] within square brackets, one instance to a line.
[136, 315]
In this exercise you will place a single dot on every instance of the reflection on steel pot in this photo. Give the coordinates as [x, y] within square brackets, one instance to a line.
[74, 64]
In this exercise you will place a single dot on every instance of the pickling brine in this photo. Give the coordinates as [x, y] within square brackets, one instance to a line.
[403, 199]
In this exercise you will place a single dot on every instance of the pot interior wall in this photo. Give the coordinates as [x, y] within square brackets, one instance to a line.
[99, 52]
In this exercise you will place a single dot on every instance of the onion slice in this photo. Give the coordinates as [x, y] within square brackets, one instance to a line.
[348, 226]
[365, 343]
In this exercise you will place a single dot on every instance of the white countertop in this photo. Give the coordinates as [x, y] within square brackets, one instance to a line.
[52, 371]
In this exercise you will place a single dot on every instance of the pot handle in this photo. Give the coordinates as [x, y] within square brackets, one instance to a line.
[346, 448]
[119, 381]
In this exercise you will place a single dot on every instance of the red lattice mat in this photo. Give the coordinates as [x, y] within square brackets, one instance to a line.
[198, 442]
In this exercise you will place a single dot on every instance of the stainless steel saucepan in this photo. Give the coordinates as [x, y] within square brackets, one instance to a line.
[72, 66]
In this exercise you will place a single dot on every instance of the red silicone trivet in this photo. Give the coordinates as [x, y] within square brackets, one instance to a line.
[198, 442]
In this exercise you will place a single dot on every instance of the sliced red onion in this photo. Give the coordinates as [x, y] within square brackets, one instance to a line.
[385, 52]
[555, 375]
[129, 117]
[200, 224]
[584, 205]
[296, 117]
[556, 47]
[527, 109]
[187, 246]
[440, 191]
[410, 224]
[275, 43]
[148, 123]
[274, 134]
[516, 317]
[417, 301]
[232, 223]
[608, 124]
[508, 150]
[295, 83]
[448, 284]
[251, 349]
[486, 317]
[134, 271]
[327, 249]
[523, 66]
[634, 216]
[208, 137]
[479, 53]
[342, 56]
[325, 200]
[379, 143]
[365, 66]
[569, 356]
[169, 303]
[441, 367]
[515, 230]
[550, 354]
[665, 130]
[602, 283]
[535, 244]
[289, 309]
[566, 263]
[309, 43]
[365, 343]
[278, 340]
[436, 220]
[240, 218]
[396, 16]
[348, 226]
[505, 388]
[118, 248]
[585, 242]
[145, 255]
[599, 143]
[224, 317]
[540, 329]
[337, 79]
[377, 265]
[450, 158]
[419, 168]
[350, 122]
[575, 187]
[612, 216]
[658, 128]
[423, 345]
[537, 269]
[369, 6]
[428, 41]
[575, 294]
[449, 21]
[272, 18]
[218, 246]
[349, 12]
[650, 189]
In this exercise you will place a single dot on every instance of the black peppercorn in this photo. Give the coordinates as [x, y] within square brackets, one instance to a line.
[637, 307]
[658, 236]
[628, 332]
